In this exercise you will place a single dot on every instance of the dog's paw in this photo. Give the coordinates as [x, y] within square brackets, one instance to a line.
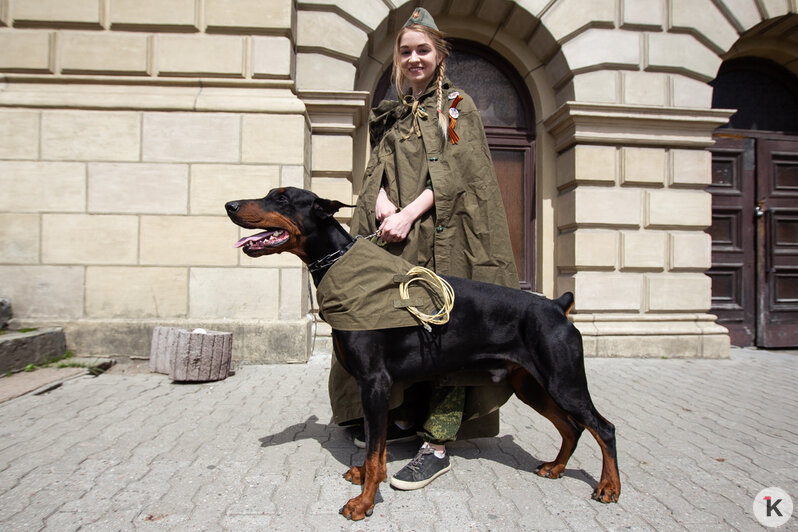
[606, 492]
[355, 475]
[356, 509]
[550, 470]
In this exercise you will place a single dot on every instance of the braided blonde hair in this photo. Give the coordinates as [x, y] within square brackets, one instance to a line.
[442, 50]
[443, 118]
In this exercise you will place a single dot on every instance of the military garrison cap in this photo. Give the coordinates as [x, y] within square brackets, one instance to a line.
[422, 17]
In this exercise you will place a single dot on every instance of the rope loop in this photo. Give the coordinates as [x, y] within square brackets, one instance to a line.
[439, 286]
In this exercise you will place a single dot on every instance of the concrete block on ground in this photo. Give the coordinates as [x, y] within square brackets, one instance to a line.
[191, 356]
[162, 340]
[18, 349]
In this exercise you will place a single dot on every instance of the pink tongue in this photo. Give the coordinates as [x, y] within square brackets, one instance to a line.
[254, 238]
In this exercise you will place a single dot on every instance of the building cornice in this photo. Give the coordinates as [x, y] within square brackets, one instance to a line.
[85, 93]
[628, 125]
[335, 112]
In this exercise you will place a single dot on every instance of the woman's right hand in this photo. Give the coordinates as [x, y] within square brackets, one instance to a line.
[384, 207]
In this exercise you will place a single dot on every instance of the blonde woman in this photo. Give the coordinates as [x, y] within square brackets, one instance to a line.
[431, 191]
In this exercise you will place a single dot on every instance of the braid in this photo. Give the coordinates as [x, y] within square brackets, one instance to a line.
[443, 119]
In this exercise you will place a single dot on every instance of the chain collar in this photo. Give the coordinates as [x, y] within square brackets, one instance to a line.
[328, 260]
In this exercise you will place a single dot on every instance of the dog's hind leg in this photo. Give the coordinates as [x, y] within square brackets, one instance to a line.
[568, 389]
[374, 395]
[609, 486]
[529, 390]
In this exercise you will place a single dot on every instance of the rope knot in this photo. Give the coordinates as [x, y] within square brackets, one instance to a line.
[418, 112]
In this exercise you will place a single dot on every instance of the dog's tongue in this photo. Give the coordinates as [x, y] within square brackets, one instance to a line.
[253, 238]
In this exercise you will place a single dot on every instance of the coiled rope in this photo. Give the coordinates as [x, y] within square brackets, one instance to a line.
[440, 287]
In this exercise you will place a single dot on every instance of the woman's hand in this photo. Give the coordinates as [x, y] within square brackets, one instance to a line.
[396, 227]
[384, 207]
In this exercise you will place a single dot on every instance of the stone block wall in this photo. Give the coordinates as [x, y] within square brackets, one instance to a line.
[126, 124]
[124, 128]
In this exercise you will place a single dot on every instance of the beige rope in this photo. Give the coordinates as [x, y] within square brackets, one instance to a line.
[443, 289]
[418, 112]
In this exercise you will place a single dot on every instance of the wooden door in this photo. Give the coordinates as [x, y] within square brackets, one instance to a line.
[514, 165]
[733, 271]
[755, 237]
[777, 231]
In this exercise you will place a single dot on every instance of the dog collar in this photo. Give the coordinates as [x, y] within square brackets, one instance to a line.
[329, 260]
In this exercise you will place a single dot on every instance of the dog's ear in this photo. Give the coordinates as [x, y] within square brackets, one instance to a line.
[324, 208]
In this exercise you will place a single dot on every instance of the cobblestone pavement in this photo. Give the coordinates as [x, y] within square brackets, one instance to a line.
[697, 440]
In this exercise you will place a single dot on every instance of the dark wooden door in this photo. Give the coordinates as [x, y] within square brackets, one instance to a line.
[733, 270]
[777, 229]
[514, 164]
[755, 237]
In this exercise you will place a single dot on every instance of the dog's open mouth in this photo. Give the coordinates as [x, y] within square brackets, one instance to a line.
[268, 239]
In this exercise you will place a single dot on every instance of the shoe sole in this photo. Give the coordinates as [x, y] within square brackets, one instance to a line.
[406, 485]
[362, 445]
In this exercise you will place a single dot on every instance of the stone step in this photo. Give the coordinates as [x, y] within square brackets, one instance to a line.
[20, 348]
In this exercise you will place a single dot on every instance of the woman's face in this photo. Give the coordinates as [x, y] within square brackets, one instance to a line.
[417, 58]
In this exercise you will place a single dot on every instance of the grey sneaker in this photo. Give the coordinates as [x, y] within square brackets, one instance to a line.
[421, 470]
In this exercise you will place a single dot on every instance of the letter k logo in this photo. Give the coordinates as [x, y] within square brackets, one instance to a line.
[772, 506]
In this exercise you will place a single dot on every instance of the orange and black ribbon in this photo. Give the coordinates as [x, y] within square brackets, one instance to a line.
[454, 113]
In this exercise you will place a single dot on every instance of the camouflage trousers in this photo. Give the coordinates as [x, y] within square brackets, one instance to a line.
[446, 405]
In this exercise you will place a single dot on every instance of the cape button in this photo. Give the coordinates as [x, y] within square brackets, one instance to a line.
[433, 159]
[439, 229]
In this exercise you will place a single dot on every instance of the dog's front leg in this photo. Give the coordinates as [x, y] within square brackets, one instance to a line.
[374, 396]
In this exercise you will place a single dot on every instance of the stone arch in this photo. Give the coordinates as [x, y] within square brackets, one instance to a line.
[773, 39]
[502, 25]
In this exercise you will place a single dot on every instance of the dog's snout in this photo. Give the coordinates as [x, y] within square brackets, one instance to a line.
[232, 206]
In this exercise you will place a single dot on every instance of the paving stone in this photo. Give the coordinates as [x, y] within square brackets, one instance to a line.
[696, 441]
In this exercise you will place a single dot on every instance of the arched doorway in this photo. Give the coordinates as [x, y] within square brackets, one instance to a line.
[755, 204]
[509, 120]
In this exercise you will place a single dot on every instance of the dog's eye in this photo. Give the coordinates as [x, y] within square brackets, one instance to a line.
[282, 199]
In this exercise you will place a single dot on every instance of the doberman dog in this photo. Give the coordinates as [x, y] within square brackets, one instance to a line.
[525, 338]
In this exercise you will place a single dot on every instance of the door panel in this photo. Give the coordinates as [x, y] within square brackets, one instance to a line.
[733, 238]
[509, 166]
[513, 166]
[777, 195]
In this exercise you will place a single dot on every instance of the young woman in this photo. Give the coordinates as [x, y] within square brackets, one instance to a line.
[431, 190]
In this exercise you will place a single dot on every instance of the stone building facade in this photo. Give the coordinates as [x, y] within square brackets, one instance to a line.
[126, 124]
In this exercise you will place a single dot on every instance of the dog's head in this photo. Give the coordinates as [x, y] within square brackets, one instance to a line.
[286, 216]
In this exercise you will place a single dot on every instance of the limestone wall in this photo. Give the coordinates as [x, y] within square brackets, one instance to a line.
[124, 128]
[126, 124]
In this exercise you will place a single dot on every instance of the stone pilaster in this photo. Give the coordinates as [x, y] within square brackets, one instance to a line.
[631, 216]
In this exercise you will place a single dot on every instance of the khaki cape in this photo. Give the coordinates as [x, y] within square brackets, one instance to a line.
[465, 234]
[360, 292]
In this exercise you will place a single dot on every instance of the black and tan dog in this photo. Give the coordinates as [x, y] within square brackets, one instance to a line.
[525, 338]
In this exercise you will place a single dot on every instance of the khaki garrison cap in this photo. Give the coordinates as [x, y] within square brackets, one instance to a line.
[422, 17]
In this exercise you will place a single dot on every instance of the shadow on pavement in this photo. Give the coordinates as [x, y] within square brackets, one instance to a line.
[338, 442]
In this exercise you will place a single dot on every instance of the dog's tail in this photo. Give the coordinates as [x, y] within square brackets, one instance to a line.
[565, 302]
